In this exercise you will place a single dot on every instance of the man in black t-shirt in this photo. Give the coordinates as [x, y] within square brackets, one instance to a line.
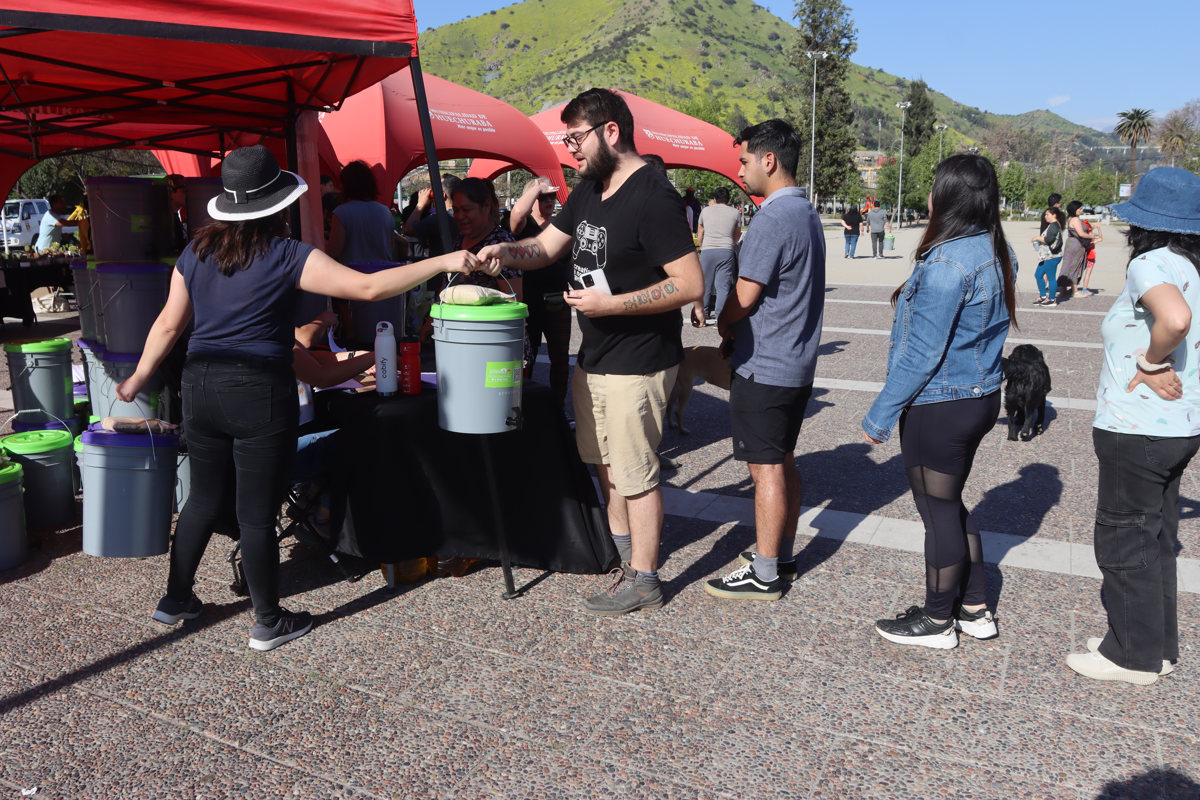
[1053, 201]
[635, 266]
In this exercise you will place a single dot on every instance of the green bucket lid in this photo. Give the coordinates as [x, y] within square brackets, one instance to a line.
[489, 313]
[31, 442]
[40, 346]
[92, 418]
[10, 472]
[79, 443]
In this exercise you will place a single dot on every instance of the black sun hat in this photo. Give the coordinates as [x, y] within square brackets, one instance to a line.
[254, 186]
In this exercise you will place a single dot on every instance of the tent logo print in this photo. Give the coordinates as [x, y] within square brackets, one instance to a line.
[680, 141]
[464, 120]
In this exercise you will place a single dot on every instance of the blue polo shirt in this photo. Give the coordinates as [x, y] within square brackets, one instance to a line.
[784, 250]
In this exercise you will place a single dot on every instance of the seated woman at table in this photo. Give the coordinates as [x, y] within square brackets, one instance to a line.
[239, 281]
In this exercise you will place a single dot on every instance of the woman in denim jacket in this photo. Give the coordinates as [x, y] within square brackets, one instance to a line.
[943, 385]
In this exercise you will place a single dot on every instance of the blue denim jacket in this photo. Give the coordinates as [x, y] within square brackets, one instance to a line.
[948, 331]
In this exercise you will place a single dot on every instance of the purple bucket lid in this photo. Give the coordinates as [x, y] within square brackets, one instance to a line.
[108, 355]
[132, 267]
[95, 435]
[79, 389]
[79, 263]
[371, 267]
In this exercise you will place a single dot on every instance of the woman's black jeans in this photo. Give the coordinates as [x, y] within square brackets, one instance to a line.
[1136, 536]
[241, 416]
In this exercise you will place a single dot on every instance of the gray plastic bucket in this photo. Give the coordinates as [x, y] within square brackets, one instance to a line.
[14, 543]
[130, 218]
[479, 353]
[364, 316]
[112, 369]
[85, 298]
[92, 354]
[45, 456]
[41, 378]
[130, 488]
[183, 480]
[72, 424]
[131, 295]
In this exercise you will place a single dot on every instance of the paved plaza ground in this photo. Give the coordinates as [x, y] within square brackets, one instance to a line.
[443, 689]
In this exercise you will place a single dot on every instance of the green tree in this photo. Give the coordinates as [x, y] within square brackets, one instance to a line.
[65, 174]
[1176, 135]
[824, 26]
[919, 119]
[1041, 186]
[1094, 187]
[1014, 184]
[1135, 127]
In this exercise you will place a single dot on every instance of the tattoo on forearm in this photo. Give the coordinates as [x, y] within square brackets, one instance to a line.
[519, 252]
[651, 295]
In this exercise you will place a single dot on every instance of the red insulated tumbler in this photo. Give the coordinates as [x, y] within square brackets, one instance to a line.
[410, 366]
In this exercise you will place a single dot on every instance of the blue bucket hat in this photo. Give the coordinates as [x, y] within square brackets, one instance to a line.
[1167, 199]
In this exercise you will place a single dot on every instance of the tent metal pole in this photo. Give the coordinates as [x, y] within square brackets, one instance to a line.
[293, 162]
[435, 177]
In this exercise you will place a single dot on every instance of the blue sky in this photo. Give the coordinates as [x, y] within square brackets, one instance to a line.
[1085, 61]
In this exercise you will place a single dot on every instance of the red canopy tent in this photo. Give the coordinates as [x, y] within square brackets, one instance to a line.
[682, 141]
[78, 75]
[379, 126]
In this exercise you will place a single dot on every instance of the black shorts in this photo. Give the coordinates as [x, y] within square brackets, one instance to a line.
[765, 419]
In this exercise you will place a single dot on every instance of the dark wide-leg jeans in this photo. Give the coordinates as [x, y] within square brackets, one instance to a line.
[241, 417]
[1136, 537]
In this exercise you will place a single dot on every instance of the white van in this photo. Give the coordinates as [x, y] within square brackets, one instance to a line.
[21, 219]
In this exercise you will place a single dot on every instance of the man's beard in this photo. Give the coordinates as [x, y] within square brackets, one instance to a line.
[601, 166]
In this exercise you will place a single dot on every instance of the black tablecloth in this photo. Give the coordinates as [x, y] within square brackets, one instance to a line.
[412, 489]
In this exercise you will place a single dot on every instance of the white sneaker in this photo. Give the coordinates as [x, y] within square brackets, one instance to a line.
[1097, 667]
[979, 624]
[1093, 646]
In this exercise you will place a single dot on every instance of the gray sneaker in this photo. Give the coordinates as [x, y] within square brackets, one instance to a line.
[624, 595]
[170, 612]
[290, 626]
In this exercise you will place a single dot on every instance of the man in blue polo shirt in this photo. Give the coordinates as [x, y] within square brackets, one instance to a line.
[773, 322]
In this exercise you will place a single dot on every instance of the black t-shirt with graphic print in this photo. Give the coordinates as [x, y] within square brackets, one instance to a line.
[630, 236]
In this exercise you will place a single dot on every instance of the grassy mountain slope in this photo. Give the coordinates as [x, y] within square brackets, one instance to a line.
[537, 53]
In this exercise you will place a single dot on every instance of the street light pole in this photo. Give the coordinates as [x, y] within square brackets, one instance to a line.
[940, 128]
[813, 55]
[903, 106]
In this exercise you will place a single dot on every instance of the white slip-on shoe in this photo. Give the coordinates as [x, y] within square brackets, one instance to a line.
[1097, 667]
[1093, 646]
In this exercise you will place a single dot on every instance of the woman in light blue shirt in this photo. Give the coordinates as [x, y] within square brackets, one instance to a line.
[1147, 429]
[943, 386]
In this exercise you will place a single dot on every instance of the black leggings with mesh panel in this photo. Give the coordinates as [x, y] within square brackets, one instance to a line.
[938, 443]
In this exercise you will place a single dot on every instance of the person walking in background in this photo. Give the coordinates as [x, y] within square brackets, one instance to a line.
[718, 233]
[691, 208]
[1048, 245]
[852, 222]
[773, 319]
[240, 279]
[549, 315]
[1054, 201]
[1090, 263]
[877, 223]
[363, 230]
[1147, 430]
[635, 267]
[51, 225]
[943, 385]
[1076, 248]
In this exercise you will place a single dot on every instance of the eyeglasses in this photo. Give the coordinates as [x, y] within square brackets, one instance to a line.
[574, 141]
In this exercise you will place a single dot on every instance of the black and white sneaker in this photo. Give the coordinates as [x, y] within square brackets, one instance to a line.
[787, 569]
[979, 624]
[290, 626]
[915, 627]
[170, 612]
[744, 584]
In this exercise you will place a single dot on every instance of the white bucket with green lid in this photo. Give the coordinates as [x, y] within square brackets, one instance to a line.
[480, 360]
[46, 457]
[41, 378]
[14, 544]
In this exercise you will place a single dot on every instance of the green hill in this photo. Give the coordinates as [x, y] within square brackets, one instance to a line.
[538, 53]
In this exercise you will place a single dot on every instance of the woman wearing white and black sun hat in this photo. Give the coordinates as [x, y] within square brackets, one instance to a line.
[240, 278]
[1147, 429]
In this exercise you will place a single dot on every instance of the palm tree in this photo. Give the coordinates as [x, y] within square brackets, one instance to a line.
[1176, 133]
[1135, 127]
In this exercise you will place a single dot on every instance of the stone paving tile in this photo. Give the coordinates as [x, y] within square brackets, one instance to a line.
[312, 788]
[74, 745]
[375, 745]
[1051, 747]
[720, 752]
[869, 771]
[518, 769]
[519, 696]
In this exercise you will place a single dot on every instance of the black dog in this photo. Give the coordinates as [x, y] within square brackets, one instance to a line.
[1025, 393]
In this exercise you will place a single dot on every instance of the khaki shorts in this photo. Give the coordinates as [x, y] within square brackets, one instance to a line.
[619, 423]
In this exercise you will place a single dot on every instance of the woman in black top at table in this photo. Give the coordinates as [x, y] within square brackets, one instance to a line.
[239, 278]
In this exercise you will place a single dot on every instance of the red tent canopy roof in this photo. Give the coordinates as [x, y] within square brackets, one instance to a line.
[379, 126]
[79, 71]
